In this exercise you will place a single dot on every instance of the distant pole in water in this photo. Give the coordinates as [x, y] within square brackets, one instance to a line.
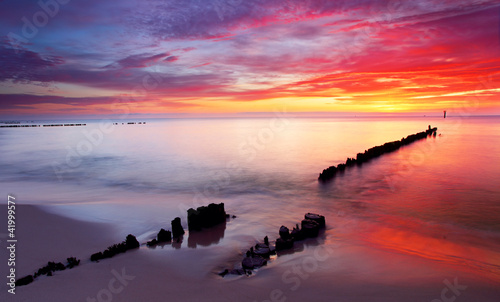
[444, 114]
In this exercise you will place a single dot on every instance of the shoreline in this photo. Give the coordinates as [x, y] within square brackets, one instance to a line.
[331, 268]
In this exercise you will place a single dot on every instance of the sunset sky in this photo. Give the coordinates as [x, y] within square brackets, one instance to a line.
[231, 57]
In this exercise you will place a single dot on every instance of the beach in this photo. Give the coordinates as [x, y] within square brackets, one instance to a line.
[329, 271]
[261, 151]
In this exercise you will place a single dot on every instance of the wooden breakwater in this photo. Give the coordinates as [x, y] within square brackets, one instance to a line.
[374, 152]
[198, 220]
[43, 125]
[19, 125]
[259, 255]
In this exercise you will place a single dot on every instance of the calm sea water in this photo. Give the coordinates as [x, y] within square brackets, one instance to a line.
[438, 198]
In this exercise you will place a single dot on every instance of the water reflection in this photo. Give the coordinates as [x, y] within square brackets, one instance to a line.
[300, 245]
[444, 244]
[206, 237]
[177, 242]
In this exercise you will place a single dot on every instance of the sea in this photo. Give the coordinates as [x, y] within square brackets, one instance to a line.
[437, 199]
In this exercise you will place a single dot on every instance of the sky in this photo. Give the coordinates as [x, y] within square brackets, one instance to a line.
[151, 58]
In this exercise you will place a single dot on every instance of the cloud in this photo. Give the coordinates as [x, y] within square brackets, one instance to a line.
[171, 59]
[10, 101]
[141, 60]
[248, 50]
[24, 65]
[217, 18]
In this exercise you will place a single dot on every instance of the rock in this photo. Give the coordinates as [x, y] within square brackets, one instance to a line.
[284, 244]
[58, 266]
[24, 280]
[131, 242]
[206, 217]
[49, 268]
[261, 246]
[262, 250]
[256, 256]
[284, 232]
[152, 243]
[177, 229]
[239, 272]
[96, 256]
[316, 217]
[253, 262]
[164, 236]
[310, 228]
[297, 234]
[236, 271]
[350, 162]
[72, 262]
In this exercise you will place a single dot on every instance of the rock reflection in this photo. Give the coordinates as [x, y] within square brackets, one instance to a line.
[299, 246]
[177, 243]
[206, 237]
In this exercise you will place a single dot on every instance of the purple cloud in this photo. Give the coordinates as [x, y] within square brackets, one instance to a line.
[141, 60]
[171, 59]
[24, 65]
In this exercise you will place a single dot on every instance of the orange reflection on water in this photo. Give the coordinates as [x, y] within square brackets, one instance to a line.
[436, 243]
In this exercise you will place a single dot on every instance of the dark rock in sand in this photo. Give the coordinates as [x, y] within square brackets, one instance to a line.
[24, 280]
[253, 262]
[316, 217]
[236, 271]
[206, 217]
[49, 268]
[152, 243]
[284, 244]
[310, 228]
[297, 234]
[164, 236]
[177, 229]
[72, 262]
[131, 242]
[284, 232]
[262, 250]
[96, 256]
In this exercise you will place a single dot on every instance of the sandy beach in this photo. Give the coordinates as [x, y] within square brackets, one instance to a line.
[326, 270]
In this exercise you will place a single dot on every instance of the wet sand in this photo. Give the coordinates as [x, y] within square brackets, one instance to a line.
[329, 269]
